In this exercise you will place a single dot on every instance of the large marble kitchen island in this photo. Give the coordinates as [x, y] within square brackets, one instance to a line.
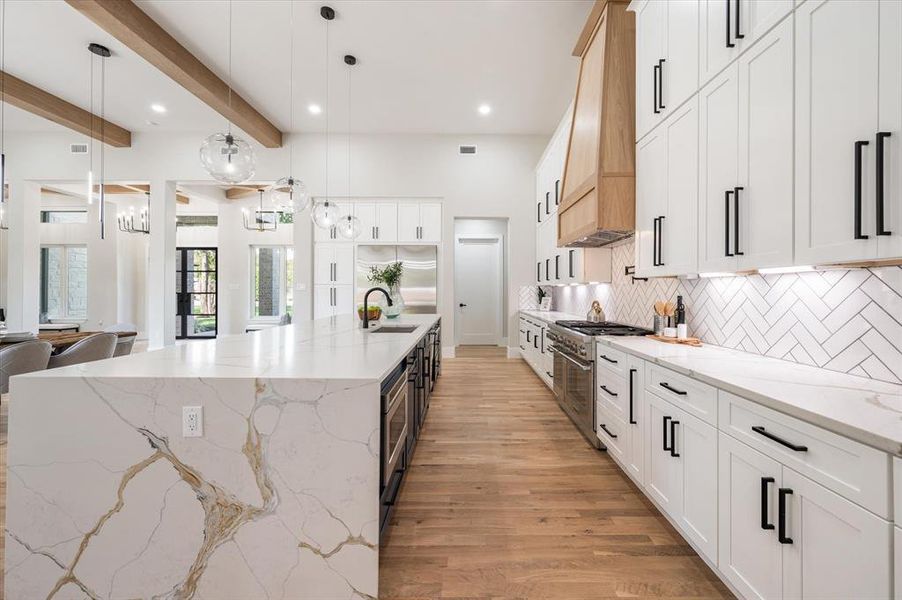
[279, 498]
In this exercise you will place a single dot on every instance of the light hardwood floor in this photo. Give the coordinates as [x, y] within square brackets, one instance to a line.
[505, 499]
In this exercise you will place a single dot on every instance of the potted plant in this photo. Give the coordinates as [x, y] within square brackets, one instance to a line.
[390, 277]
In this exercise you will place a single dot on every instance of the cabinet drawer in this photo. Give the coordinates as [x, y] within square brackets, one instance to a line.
[612, 432]
[613, 360]
[612, 393]
[696, 398]
[852, 470]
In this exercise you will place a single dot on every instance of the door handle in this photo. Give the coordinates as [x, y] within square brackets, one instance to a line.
[736, 191]
[730, 43]
[762, 431]
[632, 420]
[666, 448]
[610, 360]
[613, 436]
[461, 304]
[661, 241]
[557, 192]
[726, 212]
[881, 136]
[661, 83]
[781, 515]
[669, 387]
[654, 242]
[655, 70]
[613, 394]
[764, 502]
[739, 34]
[673, 451]
[547, 202]
[858, 150]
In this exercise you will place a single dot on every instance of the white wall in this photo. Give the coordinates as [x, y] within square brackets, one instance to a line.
[496, 182]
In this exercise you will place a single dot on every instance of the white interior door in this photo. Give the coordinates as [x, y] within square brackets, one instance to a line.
[477, 285]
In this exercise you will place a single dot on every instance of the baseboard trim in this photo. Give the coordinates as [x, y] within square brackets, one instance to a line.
[513, 352]
[448, 351]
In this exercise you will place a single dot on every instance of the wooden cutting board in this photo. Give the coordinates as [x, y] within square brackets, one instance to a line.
[689, 341]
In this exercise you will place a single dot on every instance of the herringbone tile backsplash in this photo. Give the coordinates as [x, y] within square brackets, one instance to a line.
[843, 320]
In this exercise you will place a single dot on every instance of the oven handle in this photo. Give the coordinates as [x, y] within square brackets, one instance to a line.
[584, 367]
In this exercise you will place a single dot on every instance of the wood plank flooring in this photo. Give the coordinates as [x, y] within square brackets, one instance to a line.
[505, 499]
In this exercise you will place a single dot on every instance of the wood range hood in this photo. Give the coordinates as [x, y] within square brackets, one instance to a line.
[598, 205]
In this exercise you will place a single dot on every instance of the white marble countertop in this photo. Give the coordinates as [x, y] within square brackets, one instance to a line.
[327, 348]
[865, 410]
[550, 316]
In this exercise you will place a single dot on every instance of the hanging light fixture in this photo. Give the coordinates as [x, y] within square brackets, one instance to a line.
[127, 221]
[288, 194]
[3, 199]
[103, 53]
[226, 158]
[325, 214]
[349, 225]
[264, 220]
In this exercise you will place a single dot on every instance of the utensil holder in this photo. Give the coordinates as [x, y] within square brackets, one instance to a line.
[659, 324]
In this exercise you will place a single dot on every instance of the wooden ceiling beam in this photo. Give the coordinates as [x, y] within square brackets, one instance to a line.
[33, 99]
[240, 192]
[134, 28]
[181, 198]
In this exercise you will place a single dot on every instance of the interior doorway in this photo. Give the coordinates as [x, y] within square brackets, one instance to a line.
[479, 288]
[196, 293]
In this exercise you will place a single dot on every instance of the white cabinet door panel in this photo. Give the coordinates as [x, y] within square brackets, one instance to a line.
[636, 419]
[651, 191]
[890, 246]
[678, 232]
[749, 555]
[836, 62]
[323, 264]
[680, 70]
[344, 299]
[650, 16]
[322, 301]
[344, 264]
[366, 212]
[696, 443]
[387, 222]
[430, 222]
[838, 550]
[408, 221]
[663, 472]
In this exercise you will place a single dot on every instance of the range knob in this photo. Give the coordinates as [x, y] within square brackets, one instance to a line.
[582, 351]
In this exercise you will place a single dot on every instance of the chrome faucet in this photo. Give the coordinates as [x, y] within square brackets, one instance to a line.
[366, 312]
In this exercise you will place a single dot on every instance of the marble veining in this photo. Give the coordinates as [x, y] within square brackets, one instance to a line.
[278, 500]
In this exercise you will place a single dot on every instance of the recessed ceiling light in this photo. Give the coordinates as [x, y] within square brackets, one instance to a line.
[484, 109]
[315, 109]
[158, 108]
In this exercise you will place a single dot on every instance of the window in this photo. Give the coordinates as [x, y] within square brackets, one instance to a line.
[196, 221]
[64, 282]
[64, 216]
[272, 272]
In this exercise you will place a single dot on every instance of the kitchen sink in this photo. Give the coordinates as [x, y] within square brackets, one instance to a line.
[395, 329]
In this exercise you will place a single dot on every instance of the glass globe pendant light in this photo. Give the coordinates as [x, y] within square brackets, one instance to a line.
[348, 227]
[226, 158]
[288, 194]
[325, 214]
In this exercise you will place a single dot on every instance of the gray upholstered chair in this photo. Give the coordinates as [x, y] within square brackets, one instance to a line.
[124, 345]
[23, 357]
[285, 319]
[94, 347]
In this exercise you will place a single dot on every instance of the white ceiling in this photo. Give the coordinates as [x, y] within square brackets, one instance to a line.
[424, 66]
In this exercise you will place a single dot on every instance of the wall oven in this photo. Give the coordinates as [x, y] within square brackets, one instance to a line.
[395, 424]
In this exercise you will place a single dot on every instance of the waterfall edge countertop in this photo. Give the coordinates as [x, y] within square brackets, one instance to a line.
[865, 410]
[327, 348]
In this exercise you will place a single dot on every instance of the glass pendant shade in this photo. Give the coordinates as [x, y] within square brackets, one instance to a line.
[348, 227]
[289, 195]
[325, 214]
[228, 159]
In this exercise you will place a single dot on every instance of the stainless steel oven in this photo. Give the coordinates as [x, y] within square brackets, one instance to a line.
[574, 380]
[395, 424]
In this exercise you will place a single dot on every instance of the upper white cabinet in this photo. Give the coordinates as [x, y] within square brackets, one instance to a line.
[331, 234]
[666, 59]
[729, 27]
[378, 221]
[890, 121]
[745, 159]
[667, 196]
[419, 222]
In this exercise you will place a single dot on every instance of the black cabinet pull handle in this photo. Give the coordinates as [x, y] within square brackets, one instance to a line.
[781, 515]
[736, 221]
[669, 387]
[632, 420]
[557, 192]
[614, 394]
[547, 269]
[557, 266]
[610, 360]
[538, 212]
[764, 502]
[762, 431]
[613, 436]
[730, 43]
[655, 70]
[654, 242]
[570, 259]
[739, 34]
[661, 241]
[858, 146]
[661, 84]
[528, 339]
[881, 136]
[547, 201]
[664, 434]
[673, 451]
[538, 271]
[726, 214]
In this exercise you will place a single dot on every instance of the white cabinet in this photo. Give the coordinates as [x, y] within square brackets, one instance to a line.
[666, 59]
[331, 300]
[889, 245]
[897, 562]
[745, 159]
[333, 264]
[837, 549]
[419, 222]
[331, 234]
[378, 221]
[728, 27]
[534, 347]
[663, 474]
[667, 196]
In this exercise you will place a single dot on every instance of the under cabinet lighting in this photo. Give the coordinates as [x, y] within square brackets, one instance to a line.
[158, 108]
[484, 109]
[716, 274]
[781, 270]
[314, 109]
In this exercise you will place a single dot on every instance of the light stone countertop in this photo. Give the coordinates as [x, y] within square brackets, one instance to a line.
[550, 316]
[862, 409]
[327, 348]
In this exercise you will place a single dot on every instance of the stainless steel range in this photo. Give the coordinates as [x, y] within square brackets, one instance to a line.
[573, 346]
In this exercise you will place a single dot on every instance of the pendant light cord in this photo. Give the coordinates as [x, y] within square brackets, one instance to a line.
[91, 136]
[328, 108]
[229, 120]
[290, 87]
[3, 88]
[350, 67]
[102, 150]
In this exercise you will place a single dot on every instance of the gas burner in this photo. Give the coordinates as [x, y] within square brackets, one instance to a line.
[603, 328]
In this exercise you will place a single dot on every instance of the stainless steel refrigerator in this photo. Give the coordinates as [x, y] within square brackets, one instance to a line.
[418, 281]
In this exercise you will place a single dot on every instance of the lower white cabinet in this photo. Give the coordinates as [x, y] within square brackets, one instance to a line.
[534, 347]
[663, 477]
[331, 300]
[897, 562]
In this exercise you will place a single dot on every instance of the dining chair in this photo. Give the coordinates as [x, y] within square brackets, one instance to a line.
[285, 319]
[124, 345]
[94, 347]
[23, 357]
